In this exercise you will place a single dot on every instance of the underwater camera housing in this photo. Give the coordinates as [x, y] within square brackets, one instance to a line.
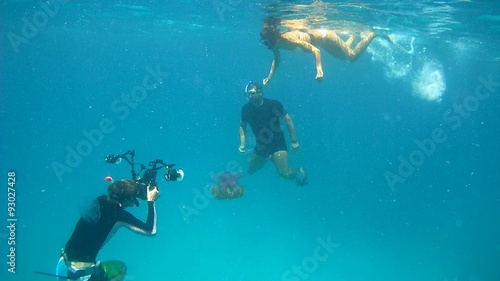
[147, 175]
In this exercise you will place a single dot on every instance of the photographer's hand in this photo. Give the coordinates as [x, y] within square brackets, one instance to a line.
[153, 193]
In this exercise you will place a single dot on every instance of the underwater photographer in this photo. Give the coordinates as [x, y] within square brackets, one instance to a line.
[78, 260]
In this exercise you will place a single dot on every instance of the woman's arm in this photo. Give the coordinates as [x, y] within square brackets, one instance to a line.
[274, 65]
[136, 225]
[302, 40]
[316, 53]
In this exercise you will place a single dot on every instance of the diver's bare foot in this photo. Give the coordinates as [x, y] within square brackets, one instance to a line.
[388, 38]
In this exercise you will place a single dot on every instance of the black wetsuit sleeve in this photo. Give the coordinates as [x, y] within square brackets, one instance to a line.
[149, 227]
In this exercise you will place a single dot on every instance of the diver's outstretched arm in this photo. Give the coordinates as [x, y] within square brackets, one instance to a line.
[274, 65]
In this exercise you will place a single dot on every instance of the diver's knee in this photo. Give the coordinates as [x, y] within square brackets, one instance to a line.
[285, 173]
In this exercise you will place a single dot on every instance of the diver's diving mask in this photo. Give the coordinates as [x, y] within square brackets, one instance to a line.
[252, 90]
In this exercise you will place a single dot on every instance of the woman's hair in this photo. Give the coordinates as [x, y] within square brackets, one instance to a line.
[122, 190]
[269, 35]
[271, 21]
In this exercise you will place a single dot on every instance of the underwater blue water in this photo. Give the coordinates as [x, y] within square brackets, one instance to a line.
[435, 105]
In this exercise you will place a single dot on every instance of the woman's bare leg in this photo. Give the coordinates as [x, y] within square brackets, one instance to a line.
[335, 46]
[350, 41]
[361, 46]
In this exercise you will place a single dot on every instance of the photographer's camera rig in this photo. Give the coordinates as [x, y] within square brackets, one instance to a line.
[147, 175]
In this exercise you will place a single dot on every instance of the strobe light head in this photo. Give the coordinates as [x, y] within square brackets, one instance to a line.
[113, 159]
[174, 174]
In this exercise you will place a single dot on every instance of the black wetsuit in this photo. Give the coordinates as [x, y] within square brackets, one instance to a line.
[265, 123]
[92, 231]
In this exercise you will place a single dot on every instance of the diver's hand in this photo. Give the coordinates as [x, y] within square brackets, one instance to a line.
[241, 149]
[153, 193]
[295, 145]
[266, 80]
[319, 75]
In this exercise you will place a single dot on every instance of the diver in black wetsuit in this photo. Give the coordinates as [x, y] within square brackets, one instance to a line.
[264, 117]
[97, 226]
